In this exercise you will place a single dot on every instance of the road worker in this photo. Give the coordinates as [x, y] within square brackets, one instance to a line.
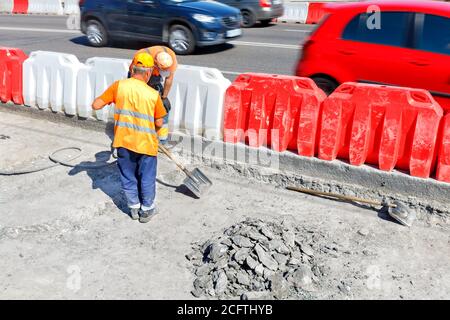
[138, 111]
[161, 80]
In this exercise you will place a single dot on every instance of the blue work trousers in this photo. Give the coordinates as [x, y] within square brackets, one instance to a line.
[138, 176]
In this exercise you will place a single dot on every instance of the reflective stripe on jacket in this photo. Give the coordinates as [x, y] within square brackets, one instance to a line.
[136, 107]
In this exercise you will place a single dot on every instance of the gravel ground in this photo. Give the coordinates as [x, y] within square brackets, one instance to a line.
[64, 233]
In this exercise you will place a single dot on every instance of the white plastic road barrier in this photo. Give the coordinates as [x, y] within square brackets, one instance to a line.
[71, 7]
[50, 81]
[297, 12]
[197, 97]
[94, 78]
[6, 6]
[45, 6]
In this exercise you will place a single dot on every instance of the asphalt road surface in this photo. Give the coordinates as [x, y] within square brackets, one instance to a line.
[272, 49]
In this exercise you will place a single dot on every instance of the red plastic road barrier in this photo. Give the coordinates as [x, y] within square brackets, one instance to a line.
[20, 6]
[11, 61]
[273, 110]
[387, 126]
[316, 11]
[443, 163]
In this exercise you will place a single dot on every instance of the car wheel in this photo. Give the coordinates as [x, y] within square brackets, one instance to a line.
[181, 40]
[248, 19]
[326, 84]
[265, 23]
[96, 33]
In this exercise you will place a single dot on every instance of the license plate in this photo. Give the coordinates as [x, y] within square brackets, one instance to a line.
[233, 33]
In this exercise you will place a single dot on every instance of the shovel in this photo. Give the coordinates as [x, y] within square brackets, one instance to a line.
[396, 210]
[196, 181]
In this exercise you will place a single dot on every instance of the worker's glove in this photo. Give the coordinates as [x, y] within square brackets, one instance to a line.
[167, 104]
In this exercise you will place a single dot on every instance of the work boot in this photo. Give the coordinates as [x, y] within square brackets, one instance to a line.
[134, 213]
[147, 215]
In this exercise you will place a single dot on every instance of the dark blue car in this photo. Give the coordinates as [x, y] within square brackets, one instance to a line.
[183, 24]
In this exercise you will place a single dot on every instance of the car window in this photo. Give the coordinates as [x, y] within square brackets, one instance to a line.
[392, 28]
[435, 36]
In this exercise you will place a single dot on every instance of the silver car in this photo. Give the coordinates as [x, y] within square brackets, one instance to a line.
[257, 10]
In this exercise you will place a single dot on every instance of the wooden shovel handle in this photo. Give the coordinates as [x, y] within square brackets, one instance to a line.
[338, 196]
[171, 157]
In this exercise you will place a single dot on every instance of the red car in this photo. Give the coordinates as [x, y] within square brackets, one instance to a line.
[404, 43]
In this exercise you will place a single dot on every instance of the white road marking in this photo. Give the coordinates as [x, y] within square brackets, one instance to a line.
[265, 44]
[40, 30]
[238, 43]
[294, 30]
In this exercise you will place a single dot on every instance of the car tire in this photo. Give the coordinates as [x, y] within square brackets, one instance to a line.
[248, 19]
[265, 23]
[181, 39]
[328, 85]
[96, 33]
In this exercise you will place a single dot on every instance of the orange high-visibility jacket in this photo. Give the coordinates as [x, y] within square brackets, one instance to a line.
[136, 107]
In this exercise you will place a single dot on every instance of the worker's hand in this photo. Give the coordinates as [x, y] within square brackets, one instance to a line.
[98, 104]
[159, 122]
[166, 104]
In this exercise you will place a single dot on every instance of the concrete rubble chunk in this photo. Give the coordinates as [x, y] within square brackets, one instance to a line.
[268, 233]
[268, 274]
[226, 242]
[302, 277]
[243, 278]
[231, 274]
[280, 258]
[306, 249]
[221, 283]
[294, 262]
[201, 282]
[259, 269]
[205, 245]
[289, 238]
[255, 235]
[297, 255]
[272, 257]
[196, 293]
[266, 259]
[203, 270]
[252, 263]
[256, 295]
[222, 263]
[241, 255]
[194, 255]
[279, 246]
[279, 286]
[364, 232]
[216, 251]
[234, 265]
[242, 241]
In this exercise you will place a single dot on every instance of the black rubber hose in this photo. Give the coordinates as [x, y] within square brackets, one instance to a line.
[57, 162]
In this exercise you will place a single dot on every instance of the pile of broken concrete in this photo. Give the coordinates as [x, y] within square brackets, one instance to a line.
[256, 259]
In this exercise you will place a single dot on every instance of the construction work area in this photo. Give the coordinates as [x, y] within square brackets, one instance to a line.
[65, 232]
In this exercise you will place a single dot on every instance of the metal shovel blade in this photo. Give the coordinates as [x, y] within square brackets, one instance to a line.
[402, 214]
[198, 183]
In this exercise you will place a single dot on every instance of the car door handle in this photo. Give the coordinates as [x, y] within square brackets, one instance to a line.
[146, 1]
[346, 52]
[419, 63]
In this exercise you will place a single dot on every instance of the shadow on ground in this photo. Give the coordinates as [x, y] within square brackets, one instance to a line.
[104, 176]
[136, 45]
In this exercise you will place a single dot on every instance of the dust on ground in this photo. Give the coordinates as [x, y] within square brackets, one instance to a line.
[64, 232]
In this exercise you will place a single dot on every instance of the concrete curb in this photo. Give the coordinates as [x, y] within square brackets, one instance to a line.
[428, 196]
[331, 176]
